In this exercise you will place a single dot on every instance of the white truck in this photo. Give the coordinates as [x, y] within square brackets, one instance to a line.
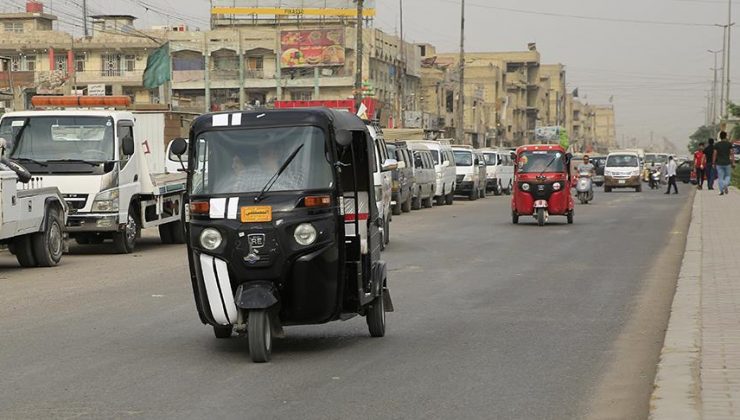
[31, 219]
[109, 166]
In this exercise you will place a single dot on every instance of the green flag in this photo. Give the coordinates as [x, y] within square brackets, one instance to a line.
[564, 140]
[157, 67]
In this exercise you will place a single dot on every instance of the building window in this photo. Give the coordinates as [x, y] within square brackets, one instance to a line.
[301, 95]
[16, 27]
[255, 63]
[130, 63]
[60, 61]
[29, 63]
[111, 65]
[80, 63]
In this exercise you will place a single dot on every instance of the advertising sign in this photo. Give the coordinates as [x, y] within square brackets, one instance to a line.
[312, 48]
[299, 8]
[547, 134]
[96, 90]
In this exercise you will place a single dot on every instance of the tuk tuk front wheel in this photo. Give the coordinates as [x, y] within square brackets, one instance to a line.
[376, 316]
[259, 334]
[541, 217]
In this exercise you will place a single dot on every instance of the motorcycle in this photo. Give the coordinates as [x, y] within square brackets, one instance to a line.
[584, 187]
[655, 179]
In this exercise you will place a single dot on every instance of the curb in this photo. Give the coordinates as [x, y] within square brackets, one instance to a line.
[677, 389]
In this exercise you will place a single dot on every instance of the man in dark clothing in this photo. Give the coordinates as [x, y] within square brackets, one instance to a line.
[724, 161]
[709, 156]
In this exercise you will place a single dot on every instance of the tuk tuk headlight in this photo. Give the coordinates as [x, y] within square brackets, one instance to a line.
[525, 187]
[557, 186]
[210, 239]
[305, 234]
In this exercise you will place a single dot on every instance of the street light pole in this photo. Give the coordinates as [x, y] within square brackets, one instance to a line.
[728, 49]
[713, 110]
[460, 128]
[358, 74]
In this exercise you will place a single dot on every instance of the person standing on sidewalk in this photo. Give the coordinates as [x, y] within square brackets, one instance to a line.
[724, 161]
[670, 171]
[709, 159]
[699, 165]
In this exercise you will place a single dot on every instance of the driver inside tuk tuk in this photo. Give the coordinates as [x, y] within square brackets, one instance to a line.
[254, 176]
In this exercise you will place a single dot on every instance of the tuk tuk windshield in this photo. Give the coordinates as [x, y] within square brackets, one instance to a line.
[244, 161]
[537, 161]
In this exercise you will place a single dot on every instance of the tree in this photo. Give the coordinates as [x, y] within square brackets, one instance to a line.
[735, 112]
[702, 134]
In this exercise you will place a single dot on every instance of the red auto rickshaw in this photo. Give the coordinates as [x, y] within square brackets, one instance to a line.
[541, 183]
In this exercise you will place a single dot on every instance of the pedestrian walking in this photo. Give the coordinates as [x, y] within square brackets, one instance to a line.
[670, 170]
[699, 165]
[724, 161]
[709, 158]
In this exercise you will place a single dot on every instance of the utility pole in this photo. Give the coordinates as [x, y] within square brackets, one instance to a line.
[358, 74]
[713, 110]
[460, 128]
[401, 120]
[84, 16]
[721, 111]
[729, 57]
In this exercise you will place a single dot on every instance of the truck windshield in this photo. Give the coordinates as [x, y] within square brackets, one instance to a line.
[463, 158]
[622, 161]
[243, 161]
[45, 138]
[538, 160]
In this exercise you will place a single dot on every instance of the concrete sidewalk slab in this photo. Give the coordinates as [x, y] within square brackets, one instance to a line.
[699, 372]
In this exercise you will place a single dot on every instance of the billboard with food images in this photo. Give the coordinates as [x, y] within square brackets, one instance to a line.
[304, 9]
[312, 48]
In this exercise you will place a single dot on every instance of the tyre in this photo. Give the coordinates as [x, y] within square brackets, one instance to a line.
[23, 250]
[570, 217]
[608, 189]
[387, 233]
[48, 245]
[396, 209]
[165, 233]
[416, 201]
[638, 188]
[406, 206]
[514, 217]
[450, 198]
[125, 241]
[473, 194]
[376, 316]
[509, 188]
[497, 190]
[259, 334]
[440, 200]
[482, 193]
[541, 217]
[221, 331]
[582, 198]
[428, 202]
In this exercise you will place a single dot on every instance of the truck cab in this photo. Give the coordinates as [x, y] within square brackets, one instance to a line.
[109, 167]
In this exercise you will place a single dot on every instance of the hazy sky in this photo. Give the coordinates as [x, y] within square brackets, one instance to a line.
[658, 74]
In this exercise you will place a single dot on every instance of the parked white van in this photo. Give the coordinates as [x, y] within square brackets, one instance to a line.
[471, 172]
[383, 180]
[444, 167]
[499, 171]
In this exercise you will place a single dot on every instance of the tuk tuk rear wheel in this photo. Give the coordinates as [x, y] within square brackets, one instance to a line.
[259, 334]
[541, 217]
[570, 217]
[375, 317]
[514, 217]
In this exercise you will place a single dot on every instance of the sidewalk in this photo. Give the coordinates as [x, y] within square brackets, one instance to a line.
[699, 371]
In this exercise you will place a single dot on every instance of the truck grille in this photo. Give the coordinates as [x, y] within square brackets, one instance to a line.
[460, 178]
[75, 201]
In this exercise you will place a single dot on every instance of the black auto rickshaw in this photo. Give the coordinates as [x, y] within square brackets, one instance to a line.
[282, 223]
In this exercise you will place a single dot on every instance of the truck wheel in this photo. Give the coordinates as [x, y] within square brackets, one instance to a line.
[428, 202]
[396, 209]
[473, 194]
[48, 245]
[406, 206]
[24, 251]
[177, 230]
[541, 217]
[221, 331]
[259, 334]
[375, 317]
[165, 233]
[450, 198]
[125, 241]
[416, 201]
[441, 199]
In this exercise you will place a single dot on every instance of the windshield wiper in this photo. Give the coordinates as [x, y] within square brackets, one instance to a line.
[274, 178]
[548, 165]
[42, 164]
[89, 162]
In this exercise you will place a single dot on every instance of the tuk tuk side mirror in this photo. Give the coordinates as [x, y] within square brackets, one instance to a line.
[127, 145]
[390, 165]
[179, 147]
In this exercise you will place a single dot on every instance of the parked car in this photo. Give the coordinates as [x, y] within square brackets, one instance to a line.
[622, 170]
[599, 162]
[499, 171]
[382, 178]
[444, 167]
[471, 172]
[685, 172]
[422, 190]
[403, 178]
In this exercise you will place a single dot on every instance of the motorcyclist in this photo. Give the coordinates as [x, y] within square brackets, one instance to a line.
[586, 167]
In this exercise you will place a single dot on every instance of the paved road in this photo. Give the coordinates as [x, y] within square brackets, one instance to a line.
[492, 321]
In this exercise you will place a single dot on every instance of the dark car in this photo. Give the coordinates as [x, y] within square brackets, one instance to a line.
[685, 172]
[403, 178]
